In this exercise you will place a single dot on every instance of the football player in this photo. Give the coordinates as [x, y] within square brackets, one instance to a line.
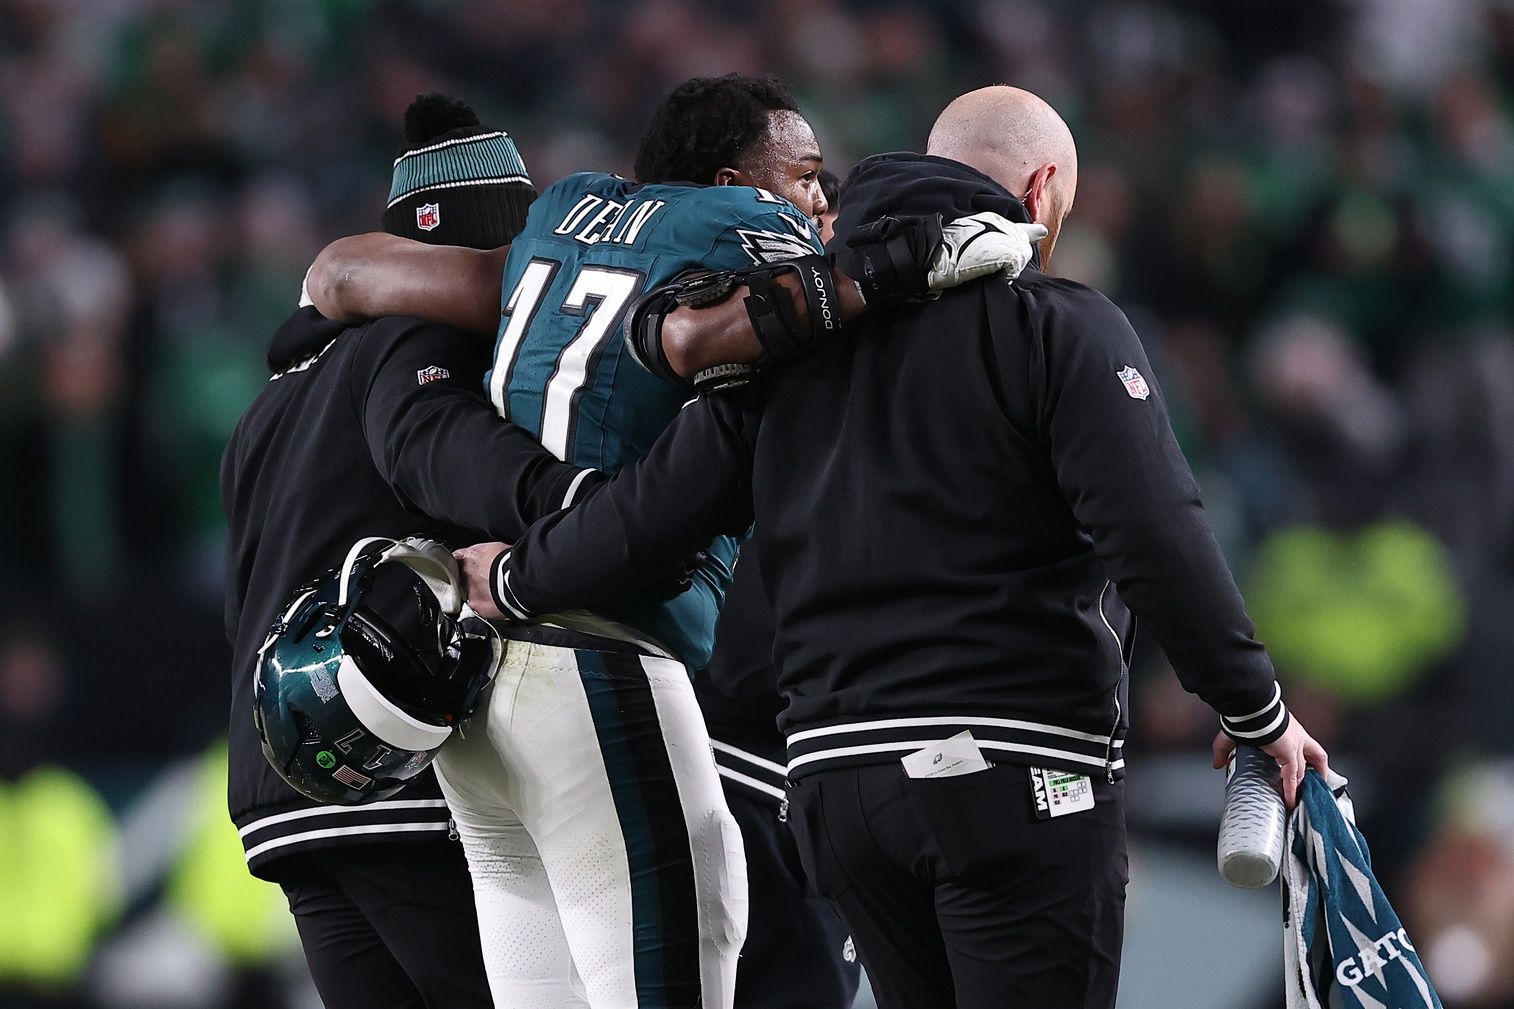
[605, 859]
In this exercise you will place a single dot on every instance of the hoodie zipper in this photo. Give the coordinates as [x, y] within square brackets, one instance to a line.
[1114, 730]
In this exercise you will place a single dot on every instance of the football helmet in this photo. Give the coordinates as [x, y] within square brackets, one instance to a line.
[369, 670]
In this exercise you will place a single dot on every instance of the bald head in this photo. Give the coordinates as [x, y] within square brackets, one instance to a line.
[1020, 142]
[1006, 133]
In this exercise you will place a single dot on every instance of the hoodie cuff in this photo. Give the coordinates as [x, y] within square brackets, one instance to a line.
[1258, 728]
[499, 587]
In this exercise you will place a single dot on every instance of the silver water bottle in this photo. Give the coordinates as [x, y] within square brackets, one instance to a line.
[1252, 825]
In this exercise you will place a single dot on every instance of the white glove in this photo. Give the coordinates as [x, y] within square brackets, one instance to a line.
[305, 301]
[973, 247]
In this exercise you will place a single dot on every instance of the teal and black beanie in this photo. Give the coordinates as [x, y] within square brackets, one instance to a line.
[458, 182]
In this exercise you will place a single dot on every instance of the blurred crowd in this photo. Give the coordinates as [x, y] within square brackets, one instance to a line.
[1306, 208]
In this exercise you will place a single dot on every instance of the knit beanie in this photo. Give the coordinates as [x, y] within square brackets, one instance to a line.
[458, 182]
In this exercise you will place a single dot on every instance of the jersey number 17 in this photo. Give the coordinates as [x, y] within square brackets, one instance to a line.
[600, 295]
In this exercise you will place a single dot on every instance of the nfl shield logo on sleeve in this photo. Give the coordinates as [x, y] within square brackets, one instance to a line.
[1134, 383]
[428, 217]
[431, 374]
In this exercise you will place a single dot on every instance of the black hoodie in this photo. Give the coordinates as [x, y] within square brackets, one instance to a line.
[955, 505]
[375, 430]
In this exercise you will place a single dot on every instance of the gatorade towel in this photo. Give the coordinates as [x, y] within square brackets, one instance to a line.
[1343, 945]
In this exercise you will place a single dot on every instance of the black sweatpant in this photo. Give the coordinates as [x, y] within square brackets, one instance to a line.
[388, 926]
[957, 897]
[796, 954]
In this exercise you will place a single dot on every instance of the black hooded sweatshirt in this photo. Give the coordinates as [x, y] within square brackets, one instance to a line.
[958, 507]
[373, 430]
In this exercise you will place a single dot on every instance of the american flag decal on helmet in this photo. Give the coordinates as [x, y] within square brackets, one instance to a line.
[351, 778]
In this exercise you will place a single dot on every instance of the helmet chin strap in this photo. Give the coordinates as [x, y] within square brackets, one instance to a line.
[434, 565]
[496, 643]
[431, 561]
[344, 579]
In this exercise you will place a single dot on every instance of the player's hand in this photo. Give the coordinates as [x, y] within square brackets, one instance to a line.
[475, 563]
[1295, 751]
[973, 247]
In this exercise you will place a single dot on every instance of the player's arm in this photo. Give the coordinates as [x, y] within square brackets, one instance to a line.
[371, 276]
[717, 330]
[641, 526]
[701, 340]
[440, 444]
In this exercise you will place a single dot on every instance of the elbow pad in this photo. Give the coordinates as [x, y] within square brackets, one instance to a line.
[781, 333]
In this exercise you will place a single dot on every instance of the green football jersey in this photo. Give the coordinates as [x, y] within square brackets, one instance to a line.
[593, 244]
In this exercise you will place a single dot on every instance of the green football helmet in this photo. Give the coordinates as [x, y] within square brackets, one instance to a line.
[370, 670]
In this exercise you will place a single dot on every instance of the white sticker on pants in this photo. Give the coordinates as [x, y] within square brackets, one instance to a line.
[956, 755]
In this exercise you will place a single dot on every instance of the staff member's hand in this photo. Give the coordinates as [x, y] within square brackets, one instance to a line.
[475, 563]
[1295, 750]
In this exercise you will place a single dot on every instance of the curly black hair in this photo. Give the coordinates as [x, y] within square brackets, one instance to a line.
[708, 123]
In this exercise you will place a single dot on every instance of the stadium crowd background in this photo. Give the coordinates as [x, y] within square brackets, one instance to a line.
[1307, 209]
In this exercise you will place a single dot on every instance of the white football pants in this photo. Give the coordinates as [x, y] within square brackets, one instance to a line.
[607, 870]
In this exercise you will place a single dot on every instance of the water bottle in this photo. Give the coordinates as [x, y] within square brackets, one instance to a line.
[1252, 825]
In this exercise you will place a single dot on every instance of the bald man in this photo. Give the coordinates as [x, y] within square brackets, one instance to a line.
[960, 511]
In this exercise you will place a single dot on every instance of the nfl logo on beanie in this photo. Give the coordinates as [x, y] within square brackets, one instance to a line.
[450, 155]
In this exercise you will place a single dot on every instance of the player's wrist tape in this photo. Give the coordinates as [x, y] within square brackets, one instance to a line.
[770, 307]
[1260, 727]
[499, 587]
[890, 258]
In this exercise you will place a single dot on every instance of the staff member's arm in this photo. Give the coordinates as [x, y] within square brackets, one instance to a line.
[437, 441]
[1103, 420]
[694, 485]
